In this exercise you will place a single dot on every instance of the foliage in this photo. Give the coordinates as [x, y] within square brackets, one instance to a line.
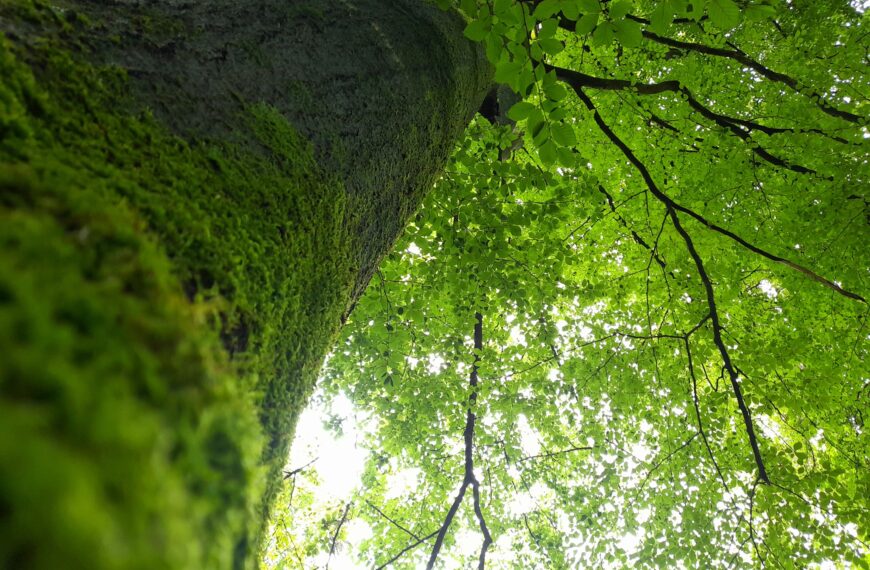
[129, 260]
[668, 249]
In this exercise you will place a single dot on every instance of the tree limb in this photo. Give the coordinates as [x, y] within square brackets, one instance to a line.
[469, 478]
[741, 128]
[739, 56]
[708, 285]
[670, 203]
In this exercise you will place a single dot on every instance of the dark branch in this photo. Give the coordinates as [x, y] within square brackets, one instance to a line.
[720, 344]
[708, 285]
[469, 477]
[298, 470]
[442, 532]
[741, 128]
[674, 205]
[487, 537]
[740, 56]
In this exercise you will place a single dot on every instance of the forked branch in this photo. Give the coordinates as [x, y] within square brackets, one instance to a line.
[739, 56]
[741, 128]
[469, 479]
[670, 203]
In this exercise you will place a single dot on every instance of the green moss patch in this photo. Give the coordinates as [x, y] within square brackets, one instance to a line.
[164, 306]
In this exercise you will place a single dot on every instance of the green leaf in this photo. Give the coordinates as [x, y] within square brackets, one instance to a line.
[724, 14]
[507, 72]
[603, 34]
[547, 153]
[571, 9]
[541, 133]
[546, 9]
[536, 123]
[587, 23]
[551, 46]
[628, 33]
[693, 10]
[501, 6]
[661, 18]
[494, 48]
[567, 157]
[589, 6]
[563, 134]
[477, 29]
[619, 8]
[520, 111]
[555, 91]
[548, 28]
[758, 12]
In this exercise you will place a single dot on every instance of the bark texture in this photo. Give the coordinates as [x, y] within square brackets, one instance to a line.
[192, 196]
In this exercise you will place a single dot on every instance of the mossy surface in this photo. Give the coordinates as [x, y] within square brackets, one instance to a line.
[164, 307]
[192, 195]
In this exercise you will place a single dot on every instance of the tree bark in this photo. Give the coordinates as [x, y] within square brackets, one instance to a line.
[192, 197]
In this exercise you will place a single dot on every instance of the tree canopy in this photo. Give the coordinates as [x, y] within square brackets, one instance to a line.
[628, 327]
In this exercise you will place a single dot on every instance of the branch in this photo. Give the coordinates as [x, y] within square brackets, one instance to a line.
[667, 458]
[397, 525]
[637, 239]
[406, 549]
[555, 453]
[442, 532]
[751, 527]
[337, 530]
[739, 127]
[487, 537]
[717, 340]
[755, 249]
[696, 403]
[670, 203]
[740, 56]
[469, 478]
[294, 472]
[708, 286]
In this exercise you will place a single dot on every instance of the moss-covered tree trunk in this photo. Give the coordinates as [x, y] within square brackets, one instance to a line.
[192, 196]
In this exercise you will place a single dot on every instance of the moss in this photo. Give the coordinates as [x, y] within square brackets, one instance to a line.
[164, 307]
[169, 283]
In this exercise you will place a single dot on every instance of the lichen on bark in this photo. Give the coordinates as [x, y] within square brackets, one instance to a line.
[191, 197]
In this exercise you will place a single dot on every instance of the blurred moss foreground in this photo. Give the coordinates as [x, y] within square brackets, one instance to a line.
[166, 300]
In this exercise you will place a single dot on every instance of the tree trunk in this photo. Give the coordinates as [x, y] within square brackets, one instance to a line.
[192, 196]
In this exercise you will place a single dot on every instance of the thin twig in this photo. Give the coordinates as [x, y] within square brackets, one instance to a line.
[335, 535]
[397, 525]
